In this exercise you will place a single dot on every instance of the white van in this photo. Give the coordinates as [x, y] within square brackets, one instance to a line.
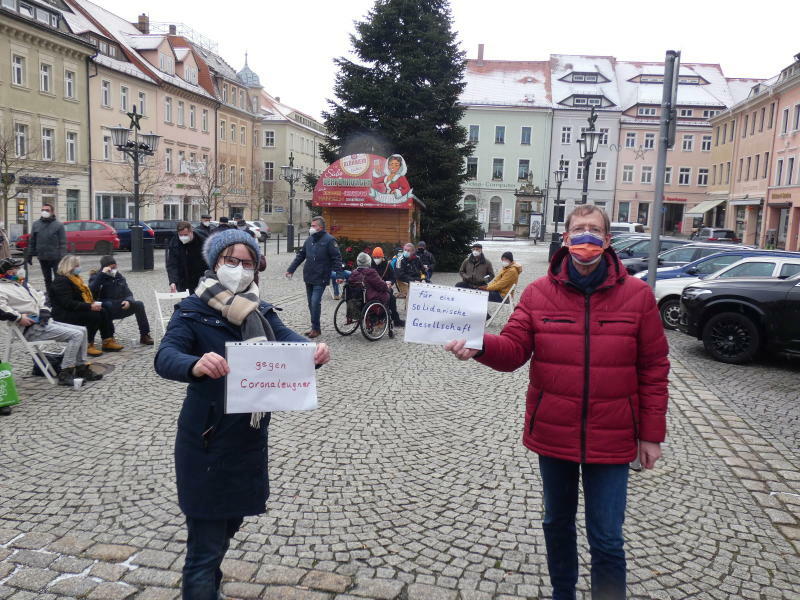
[627, 228]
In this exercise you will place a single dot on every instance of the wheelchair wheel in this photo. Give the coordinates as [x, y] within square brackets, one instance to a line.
[343, 324]
[374, 321]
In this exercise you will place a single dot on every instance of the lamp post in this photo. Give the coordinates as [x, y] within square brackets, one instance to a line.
[141, 146]
[291, 174]
[587, 147]
[555, 241]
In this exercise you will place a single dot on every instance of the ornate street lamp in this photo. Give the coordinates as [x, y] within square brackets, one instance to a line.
[555, 241]
[587, 147]
[141, 146]
[291, 174]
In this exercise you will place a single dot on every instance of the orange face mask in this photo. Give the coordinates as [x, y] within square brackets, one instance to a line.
[586, 248]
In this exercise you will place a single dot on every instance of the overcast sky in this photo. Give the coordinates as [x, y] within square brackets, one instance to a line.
[291, 43]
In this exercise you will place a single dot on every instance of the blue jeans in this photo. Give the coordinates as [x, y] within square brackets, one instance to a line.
[314, 292]
[206, 545]
[495, 296]
[605, 489]
[338, 275]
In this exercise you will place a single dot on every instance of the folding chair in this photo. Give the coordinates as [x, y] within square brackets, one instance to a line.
[172, 297]
[32, 348]
[507, 299]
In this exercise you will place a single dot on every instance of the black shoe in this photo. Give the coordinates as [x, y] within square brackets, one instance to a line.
[5, 410]
[67, 377]
[488, 316]
[399, 323]
[86, 372]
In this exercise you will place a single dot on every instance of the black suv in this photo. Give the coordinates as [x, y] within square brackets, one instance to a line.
[164, 230]
[736, 318]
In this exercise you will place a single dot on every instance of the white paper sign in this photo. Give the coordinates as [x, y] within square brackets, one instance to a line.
[439, 313]
[270, 376]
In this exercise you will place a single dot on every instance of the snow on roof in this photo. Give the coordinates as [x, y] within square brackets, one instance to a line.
[181, 53]
[715, 93]
[272, 109]
[145, 42]
[742, 88]
[123, 67]
[217, 63]
[507, 83]
[79, 24]
[562, 65]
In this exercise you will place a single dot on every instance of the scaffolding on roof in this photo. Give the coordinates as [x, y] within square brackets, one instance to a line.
[187, 32]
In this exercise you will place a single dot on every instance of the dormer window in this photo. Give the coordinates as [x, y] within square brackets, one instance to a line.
[166, 63]
[587, 101]
[646, 111]
[577, 77]
[191, 74]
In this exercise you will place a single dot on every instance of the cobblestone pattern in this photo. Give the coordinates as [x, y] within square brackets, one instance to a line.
[408, 482]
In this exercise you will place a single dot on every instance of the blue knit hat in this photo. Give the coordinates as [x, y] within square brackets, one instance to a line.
[217, 242]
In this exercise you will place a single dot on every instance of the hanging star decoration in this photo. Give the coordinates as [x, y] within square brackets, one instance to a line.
[135, 117]
[639, 153]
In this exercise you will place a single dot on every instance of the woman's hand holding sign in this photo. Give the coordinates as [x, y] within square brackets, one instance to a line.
[322, 354]
[457, 348]
[215, 366]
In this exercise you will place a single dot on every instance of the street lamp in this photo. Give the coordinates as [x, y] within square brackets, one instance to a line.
[141, 146]
[291, 174]
[587, 147]
[555, 241]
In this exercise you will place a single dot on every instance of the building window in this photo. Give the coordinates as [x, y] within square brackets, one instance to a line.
[630, 139]
[566, 135]
[624, 212]
[243, 136]
[644, 213]
[233, 133]
[753, 123]
[46, 77]
[565, 168]
[747, 170]
[47, 143]
[600, 170]
[166, 63]
[72, 146]
[707, 114]
[771, 115]
[192, 116]
[702, 176]
[142, 103]
[474, 133]
[724, 132]
[779, 172]
[168, 110]
[649, 141]
[705, 145]
[268, 205]
[20, 140]
[716, 134]
[645, 111]
[182, 162]
[684, 176]
[796, 117]
[472, 167]
[525, 136]
[766, 165]
[714, 175]
[627, 174]
[733, 130]
[69, 84]
[105, 94]
[647, 174]
[500, 134]
[123, 98]
[756, 165]
[785, 122]
[686, 112]
[744, 129]
[18, 70]
[232, 181]
[241, 99]
[269, 171]
[222, 130]
[497, 169]
[269, 139]
[728, 172]
[789, 170]
[761, 119]
[741, 169]
[604, 136]
[523, 169]
[667, 175]
[688, 143]
[204, 120]
[221, 174]
[241, 177]
[191, 75]
[168, 160]
[225, 92]
[73, 205]
[106, 147]
[180, 113]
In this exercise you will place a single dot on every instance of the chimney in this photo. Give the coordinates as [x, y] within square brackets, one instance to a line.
[173, 30]
[480, 54]
[143, 25]
[277, 98]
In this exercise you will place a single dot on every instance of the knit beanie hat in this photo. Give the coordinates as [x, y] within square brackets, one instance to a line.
[363, 260]
[217, 242]
[107, 260]
[377, 252]
[508, 256]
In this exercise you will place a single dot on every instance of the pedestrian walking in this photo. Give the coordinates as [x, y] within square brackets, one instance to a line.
[220, 459]
[109, 286]
[48, 242]
[476, 270]
[598, 386]
[322, 257]
[206, 226]
[185, 262]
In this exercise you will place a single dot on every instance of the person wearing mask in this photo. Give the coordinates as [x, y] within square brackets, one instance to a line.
[48, 242]
[109, 286]
[205, 225]
[505, 279]
[375, 286]
[185, 263]
[224, 223]
[409, 268]
[386, 273]
[220, 459]
[26, 307]
[428, 262]
[322, 257]
[476, 270]
[597, 395]
[72, 302]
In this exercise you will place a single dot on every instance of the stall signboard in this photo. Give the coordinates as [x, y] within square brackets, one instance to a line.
[365, 181]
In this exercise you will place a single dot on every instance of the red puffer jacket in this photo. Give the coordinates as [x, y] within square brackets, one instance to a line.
[598, 376]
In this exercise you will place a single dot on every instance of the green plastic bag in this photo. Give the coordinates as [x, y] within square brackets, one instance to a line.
[8, 389]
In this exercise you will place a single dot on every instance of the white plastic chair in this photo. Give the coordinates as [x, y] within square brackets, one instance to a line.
[509, 299]
[32, 348]
[163, 297]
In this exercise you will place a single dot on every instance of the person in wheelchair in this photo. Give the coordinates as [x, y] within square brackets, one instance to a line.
[375, 287]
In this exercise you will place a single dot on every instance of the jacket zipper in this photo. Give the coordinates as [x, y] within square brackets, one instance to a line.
[585, 410]
[535, 410]
[606, 322]
[633, 418]
[546, 320]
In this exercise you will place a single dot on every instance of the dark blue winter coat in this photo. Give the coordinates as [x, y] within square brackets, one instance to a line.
[220, 460]
[111, 290]
[321, 253]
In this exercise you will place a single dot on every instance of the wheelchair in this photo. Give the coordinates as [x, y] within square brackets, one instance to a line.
[354, 312]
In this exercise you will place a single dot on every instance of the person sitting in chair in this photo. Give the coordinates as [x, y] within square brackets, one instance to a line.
[376, 289]
[505, 278]
[26, 307]
[110, 287]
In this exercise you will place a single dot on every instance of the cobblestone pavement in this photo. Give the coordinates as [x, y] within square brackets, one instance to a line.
[409, 482]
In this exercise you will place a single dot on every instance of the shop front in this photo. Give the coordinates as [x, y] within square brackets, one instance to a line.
[746, 219]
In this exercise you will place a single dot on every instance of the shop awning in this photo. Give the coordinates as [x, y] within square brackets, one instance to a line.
[701, 209]
[747, 202]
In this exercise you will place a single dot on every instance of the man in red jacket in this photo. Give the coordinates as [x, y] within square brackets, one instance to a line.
[597, 396]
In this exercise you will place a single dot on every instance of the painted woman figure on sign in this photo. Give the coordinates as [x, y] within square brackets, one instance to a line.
[393, 179]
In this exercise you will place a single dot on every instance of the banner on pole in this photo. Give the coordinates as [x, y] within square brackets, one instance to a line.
[437, 314]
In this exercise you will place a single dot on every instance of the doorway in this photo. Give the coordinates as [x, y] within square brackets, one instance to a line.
[494, 213]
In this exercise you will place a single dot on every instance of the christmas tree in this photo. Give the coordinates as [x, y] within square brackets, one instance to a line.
[401, 97]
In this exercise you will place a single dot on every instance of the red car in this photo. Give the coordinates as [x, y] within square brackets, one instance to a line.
[84, 236]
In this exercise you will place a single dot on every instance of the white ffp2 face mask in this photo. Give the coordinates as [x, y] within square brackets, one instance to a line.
[185, 239]
[236, 279]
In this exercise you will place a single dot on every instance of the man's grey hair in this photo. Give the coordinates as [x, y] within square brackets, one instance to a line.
[319, 220]
[584, 210]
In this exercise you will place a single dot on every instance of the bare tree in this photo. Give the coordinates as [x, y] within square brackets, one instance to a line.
[204, 177]
[154, 179]
[12, 169]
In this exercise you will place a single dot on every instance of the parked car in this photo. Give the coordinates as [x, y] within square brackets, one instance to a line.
[123, 227]
[676, 257]
[265, 232]
[622, 242]
[83, 236]
[164, 230]
[629, 227]
[714, 262]
[737, 318]
[715, 234]
[641, 247]
[668, 291]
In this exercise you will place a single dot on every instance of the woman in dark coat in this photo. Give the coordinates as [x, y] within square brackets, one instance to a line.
[220, 459]
[376, 288]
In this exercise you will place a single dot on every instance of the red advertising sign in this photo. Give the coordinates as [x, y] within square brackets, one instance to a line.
[365, 181]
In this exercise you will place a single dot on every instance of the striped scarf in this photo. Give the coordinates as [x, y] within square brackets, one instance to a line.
[238, 309]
